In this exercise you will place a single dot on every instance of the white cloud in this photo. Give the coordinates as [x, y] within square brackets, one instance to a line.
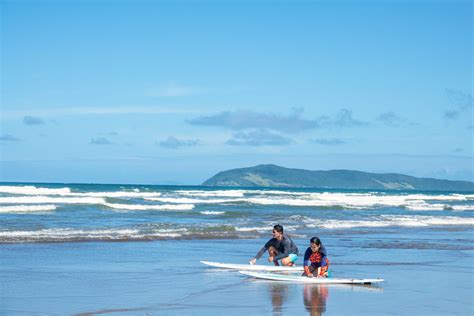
[460, 102]
[174, 143]
[100, 141]
[259, 138]
[32, 120]
[9, 138]
[292, 123]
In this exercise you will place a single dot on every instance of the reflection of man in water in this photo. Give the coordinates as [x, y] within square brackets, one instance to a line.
[315, 297]
[279, 293]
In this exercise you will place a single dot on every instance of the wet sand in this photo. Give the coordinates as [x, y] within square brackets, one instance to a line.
[165, 277]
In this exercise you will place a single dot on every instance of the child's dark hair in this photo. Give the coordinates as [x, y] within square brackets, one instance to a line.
[316, 241]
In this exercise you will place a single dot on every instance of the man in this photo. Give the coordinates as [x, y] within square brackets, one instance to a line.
[280, 247]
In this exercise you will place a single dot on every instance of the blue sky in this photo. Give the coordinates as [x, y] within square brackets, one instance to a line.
[172, 92]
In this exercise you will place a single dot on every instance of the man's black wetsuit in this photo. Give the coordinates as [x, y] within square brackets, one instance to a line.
[285, 247]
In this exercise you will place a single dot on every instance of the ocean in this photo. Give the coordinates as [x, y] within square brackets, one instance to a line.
[135, 249]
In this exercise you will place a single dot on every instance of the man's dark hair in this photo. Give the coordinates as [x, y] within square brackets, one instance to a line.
[278, 228]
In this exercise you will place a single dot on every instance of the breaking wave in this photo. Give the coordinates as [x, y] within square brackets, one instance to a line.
[300, 224]
[48, 199]
[383, 221]
[148, 213]
[27, 208]
[32, 190]
[142, 207]
[212, 212]
[193, 201]
[420, 202]
[117, 234]
[221, 193]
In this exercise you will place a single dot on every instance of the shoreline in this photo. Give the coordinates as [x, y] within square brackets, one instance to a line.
[162, 277]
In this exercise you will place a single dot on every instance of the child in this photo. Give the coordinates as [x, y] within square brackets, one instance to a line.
[316, 263]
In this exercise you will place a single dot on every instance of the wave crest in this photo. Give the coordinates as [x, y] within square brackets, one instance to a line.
[143, 207]
[27, 208]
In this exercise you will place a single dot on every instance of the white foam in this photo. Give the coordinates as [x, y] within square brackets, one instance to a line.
[287, 201]
[168, 235]
[172, 230]
[47, 199]
[388, 220]
[279, 192]
[64, 234]
[423, 206]
[463, 207]
[412, 202]
[344, 200]
[256, 228]
[450, 197]
[192, 201]
[118, 194]
[32, 190]
[418, 202]
[428, 220]
[68, 233]
[332, 224]
[201, 193]
[361, 200]
[267, 228]
[143, 207]
[212, 212]
[26, 208]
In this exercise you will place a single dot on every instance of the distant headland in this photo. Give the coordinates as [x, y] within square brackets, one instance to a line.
[276, 176]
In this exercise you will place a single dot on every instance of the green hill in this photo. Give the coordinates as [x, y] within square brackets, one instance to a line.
[276, 176]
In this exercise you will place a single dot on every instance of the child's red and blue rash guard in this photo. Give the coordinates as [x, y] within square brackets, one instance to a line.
[316, 260]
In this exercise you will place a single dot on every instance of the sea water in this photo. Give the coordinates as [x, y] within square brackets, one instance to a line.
[79, 248]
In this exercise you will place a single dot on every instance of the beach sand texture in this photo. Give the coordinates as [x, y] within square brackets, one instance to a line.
[165, 277]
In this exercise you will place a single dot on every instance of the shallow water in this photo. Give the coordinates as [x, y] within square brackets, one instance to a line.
[165, 277]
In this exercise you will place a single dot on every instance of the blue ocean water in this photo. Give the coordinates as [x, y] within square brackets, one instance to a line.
[92, 212]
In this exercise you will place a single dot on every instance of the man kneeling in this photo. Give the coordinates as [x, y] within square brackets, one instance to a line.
[280, 247]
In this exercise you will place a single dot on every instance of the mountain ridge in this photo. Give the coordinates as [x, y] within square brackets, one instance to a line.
[270, 175]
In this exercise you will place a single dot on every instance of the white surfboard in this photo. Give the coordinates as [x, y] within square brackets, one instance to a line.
[251, 267]
[304, 279]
